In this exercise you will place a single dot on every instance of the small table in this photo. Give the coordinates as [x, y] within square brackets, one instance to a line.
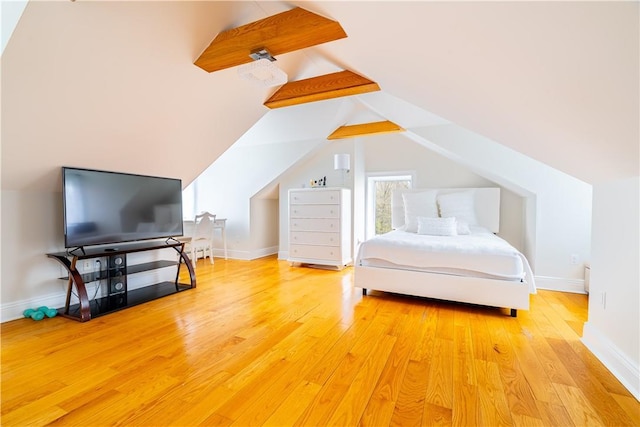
[221, 224]
[218, 224]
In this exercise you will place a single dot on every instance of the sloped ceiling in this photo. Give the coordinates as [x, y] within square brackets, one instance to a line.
[112, 85]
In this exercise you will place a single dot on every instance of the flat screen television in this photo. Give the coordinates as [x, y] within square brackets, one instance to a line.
[102, 207]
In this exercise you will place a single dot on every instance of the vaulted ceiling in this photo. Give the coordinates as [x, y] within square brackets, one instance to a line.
[113, 85]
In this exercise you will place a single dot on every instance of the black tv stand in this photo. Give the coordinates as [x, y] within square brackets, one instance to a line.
[115, 273]
[79, 248]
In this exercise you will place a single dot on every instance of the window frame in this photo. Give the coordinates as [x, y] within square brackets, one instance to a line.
[370, 205]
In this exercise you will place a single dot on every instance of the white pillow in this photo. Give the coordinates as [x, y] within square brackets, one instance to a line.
[417, 204]
[437, 226]
[460, 205]
[462, 227]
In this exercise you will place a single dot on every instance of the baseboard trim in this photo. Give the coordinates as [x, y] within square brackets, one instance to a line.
[13, 310]
[232, 254]
[246, 255]
[613, 359]
[261, 253]
[575, 286]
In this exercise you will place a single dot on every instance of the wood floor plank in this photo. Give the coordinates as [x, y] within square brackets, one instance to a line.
[435, 415]
[380, 408]
[608, 410]
[554, 414]
[339, 349]
[560, 326]
[555, 371]
[630, 406]
[536, 375]
[355, 399]
[465, 390]
[265, 343]
[20, 395]
[192, 401]
[410, 404]
[579, 408]
[294, 404]
[494, 409]
[33, 415]
[197, 412]
[424, 342]
[440, 379]
[252, 404]
[516, 386]
[295, 357]
[337, 385]
[593, 365]
[482, 345]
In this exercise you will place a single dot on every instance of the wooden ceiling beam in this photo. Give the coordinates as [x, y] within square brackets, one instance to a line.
[327, 86]
[352, 131]
[281, 33]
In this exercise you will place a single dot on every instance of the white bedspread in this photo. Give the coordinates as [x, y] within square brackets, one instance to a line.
[480, 253]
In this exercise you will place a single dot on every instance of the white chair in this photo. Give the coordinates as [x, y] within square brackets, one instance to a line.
[202, 238]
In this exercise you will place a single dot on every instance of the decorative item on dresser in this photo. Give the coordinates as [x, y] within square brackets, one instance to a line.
[320, 226]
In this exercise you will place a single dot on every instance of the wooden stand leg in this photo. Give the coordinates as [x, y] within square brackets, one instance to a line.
[187, 262]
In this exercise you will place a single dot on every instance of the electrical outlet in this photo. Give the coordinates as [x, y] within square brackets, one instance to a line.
[574, 259]
[86, 266]
[603, 299]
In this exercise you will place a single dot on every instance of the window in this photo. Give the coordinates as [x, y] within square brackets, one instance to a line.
[189, 201]
[379, 191]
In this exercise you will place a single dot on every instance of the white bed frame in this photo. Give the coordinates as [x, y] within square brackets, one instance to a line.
[473, 290]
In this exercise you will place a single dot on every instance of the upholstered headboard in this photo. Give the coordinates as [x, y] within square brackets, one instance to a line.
[486, 201]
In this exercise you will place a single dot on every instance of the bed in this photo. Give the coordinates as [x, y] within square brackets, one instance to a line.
[444, 246]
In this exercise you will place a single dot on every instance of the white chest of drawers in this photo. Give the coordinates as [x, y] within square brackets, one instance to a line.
[320, 226]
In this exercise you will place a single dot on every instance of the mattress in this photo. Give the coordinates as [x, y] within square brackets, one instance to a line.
[479, 254]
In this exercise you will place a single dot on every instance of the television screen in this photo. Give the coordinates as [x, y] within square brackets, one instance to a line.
[103, 207]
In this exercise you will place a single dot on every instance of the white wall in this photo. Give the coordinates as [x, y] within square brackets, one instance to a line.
[562, 203]
[10, 13]
[226, 187]
[391, 153]
[31, 228]
[264, 226]
[613, 329]
[314, 166]
[396, 152]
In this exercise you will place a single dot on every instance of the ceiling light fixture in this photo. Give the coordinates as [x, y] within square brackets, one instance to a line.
[262, 70]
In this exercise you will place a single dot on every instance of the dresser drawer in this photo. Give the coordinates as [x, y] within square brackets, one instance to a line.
[312, 252]
[314, 197]
[314, 238]
[315, 211]
[314, 224]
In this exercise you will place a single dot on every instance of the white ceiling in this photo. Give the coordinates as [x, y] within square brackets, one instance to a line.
[112, 85]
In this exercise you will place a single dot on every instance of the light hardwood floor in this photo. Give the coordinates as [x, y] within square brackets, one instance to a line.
[263, 343]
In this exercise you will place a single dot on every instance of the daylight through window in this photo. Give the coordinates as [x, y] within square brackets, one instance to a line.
[380, 189]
